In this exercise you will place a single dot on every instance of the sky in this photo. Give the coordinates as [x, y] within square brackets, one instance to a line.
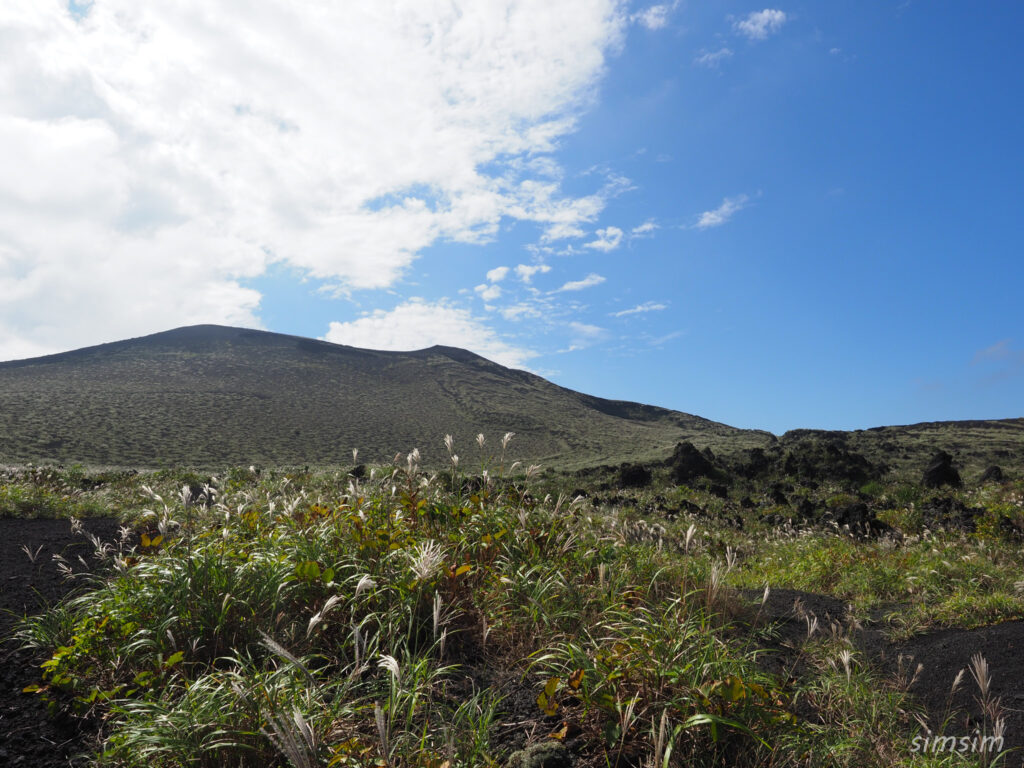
[801, 215]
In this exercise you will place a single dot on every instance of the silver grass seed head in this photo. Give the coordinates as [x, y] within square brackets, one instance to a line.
[390, 663]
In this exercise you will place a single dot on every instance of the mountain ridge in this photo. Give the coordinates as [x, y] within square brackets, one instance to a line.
[129, 401]
[208, 395]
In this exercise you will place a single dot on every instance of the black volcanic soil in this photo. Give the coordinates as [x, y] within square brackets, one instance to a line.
[942, 654]
[27, 736]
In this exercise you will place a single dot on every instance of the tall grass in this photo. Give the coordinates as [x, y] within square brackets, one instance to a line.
[408, 619]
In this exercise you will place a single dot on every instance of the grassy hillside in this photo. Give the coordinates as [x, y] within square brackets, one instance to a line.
[214, 395]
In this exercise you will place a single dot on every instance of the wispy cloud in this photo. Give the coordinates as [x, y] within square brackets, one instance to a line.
[659, 340]
[608, 239]
[644, 230]
[647, 306]
[584, 335]
[587, 282]
[1001, 350]
[711, 59]
[1002, 360]
[760, 24]
[416, 324]
[521, 311]
[720, 215]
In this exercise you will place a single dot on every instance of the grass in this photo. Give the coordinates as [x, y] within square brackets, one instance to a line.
[294, 618]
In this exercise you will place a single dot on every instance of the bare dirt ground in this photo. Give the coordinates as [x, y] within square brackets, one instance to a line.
[28, 737]
[942, 655]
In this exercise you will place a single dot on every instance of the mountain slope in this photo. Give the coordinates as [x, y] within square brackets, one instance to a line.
[210, 395]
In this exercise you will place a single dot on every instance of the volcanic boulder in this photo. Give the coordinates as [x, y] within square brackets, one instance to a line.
[940, 471]
[993, 474]
[634, 476]
[687, 464]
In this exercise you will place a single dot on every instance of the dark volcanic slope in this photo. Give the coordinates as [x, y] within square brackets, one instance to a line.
[212, 395]
[974, 445]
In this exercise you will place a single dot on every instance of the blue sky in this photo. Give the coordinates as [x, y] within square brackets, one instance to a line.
[805, 215]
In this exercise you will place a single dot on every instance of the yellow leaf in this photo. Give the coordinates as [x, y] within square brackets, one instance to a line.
[576, 679]
[463, 569]
[155, 541]
[145, 539]
[552, 685]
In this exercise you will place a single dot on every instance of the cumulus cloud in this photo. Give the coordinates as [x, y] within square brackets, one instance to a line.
[156, 156]
[488, 292]
[711, 59]
[647, 306]
[497, 274]
[760, 24]
[720, 215]
[525, 272]
[608, 239]
[655, 17]
[417, 324]
[587, 282]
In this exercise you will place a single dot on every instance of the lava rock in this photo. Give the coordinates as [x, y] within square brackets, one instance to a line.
[860, 520]
[993, 474]
[940, 471]
[687, 464]
[634, 476]
[547, 754]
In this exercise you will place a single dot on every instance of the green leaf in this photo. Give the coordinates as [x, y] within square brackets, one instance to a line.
[174, 658]
[705, 718]
[308, 571]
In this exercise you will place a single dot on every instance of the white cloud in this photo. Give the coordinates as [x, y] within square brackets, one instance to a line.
[584, 335]
[157, 155]
[722, 213]
[655, 17]
[760, 24]
[497, 274]
[647, 306]
[644, 230]
[521, 311]
[608, 239]
[711, 59]
[658, 341]
[587, 282]
[417, 324]
[586, 330]
[488, 292]
[525, 272]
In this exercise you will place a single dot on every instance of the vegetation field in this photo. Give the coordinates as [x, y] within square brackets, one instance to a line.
[482, 615]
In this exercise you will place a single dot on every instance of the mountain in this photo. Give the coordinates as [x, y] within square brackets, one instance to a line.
[210, 395]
